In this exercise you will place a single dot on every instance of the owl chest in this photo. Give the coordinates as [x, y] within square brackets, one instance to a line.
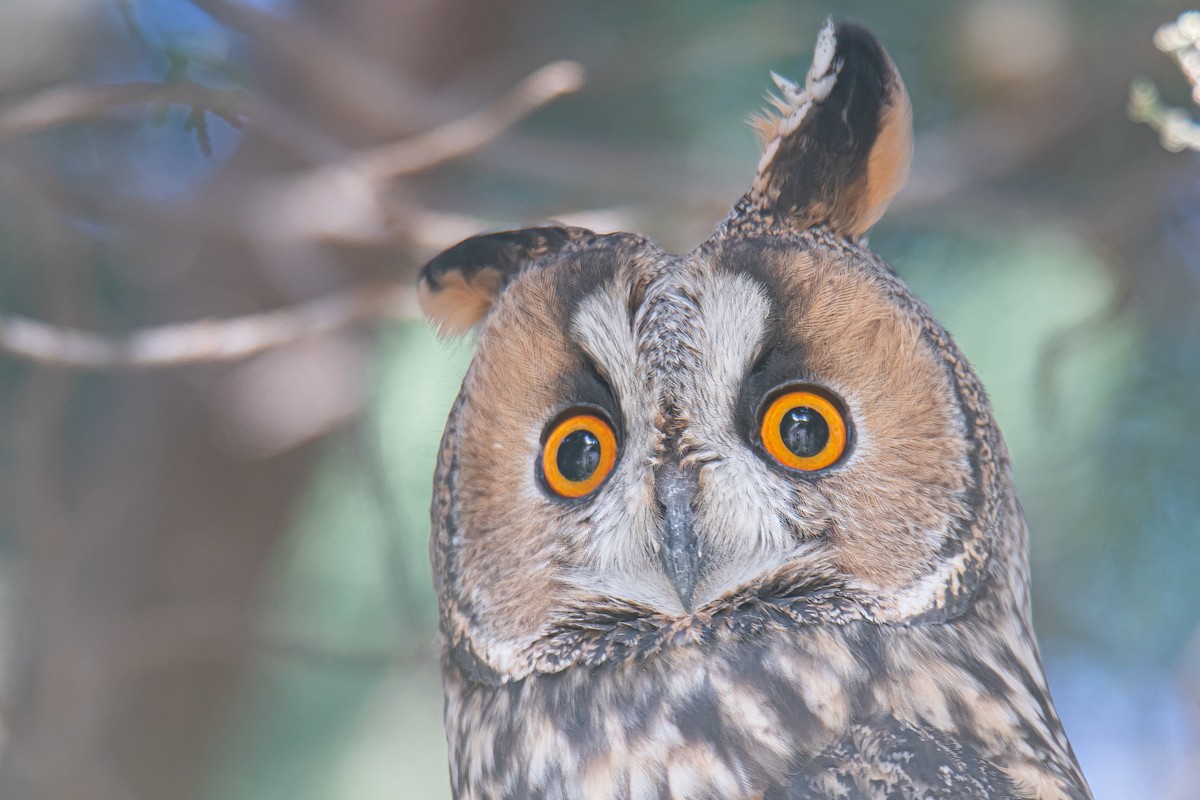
[689, 724]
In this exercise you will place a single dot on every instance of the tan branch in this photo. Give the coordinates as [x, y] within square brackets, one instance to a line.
[67, 104]
[462, 136]
[336, 71]
[356, 186]
[351, 201]
[204, 340]
[344, 197]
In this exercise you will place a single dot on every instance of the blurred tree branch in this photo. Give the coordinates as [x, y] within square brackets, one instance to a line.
[206, 340]
[462, 136]
[362, 176]
[64, 105]
[327, 65]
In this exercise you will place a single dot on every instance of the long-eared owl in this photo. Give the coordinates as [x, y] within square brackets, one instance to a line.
[737, 523]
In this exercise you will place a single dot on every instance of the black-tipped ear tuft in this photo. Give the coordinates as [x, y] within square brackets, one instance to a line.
[837, 149]
[457, 288]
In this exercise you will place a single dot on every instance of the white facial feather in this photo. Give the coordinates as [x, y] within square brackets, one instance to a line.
[746, 513]
[622, 525]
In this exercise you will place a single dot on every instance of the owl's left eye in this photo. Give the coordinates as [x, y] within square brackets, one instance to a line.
[579, 453]
[804, 429]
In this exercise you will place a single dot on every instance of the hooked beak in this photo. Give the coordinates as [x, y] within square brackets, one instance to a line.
[675, 489]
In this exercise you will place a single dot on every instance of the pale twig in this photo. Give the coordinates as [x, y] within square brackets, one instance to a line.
[467, 134]
[369, 95]
[350, 200]
[363, 176]
[344, 197]
[67, 104]
[1175, 127]
[204, 340]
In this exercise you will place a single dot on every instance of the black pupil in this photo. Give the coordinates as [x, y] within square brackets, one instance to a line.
[804, 431]
[578, 456]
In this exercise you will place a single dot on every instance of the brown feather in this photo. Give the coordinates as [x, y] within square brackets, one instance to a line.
[458, 305]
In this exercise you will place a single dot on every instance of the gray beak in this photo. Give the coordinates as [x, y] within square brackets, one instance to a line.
[675, 489]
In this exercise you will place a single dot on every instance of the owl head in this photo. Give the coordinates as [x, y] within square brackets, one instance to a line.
[651, 448]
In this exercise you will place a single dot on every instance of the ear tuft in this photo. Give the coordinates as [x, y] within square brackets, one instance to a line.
[837, 149]
[457, 288]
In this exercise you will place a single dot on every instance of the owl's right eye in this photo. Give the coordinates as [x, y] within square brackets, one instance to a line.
[579, 453]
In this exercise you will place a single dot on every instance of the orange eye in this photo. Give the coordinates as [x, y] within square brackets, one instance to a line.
[803, 430]
[579, 453]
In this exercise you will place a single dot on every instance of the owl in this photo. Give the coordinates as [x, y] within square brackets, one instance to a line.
[738, 523]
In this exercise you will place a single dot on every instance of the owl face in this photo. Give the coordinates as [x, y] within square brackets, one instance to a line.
[664, 432]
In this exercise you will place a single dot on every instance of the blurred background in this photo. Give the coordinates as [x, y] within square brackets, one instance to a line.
[213, 570]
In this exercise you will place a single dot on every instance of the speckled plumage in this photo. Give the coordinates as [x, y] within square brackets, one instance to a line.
[858, 632]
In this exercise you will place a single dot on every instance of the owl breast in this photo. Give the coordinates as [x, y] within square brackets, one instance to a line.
[784, 714]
